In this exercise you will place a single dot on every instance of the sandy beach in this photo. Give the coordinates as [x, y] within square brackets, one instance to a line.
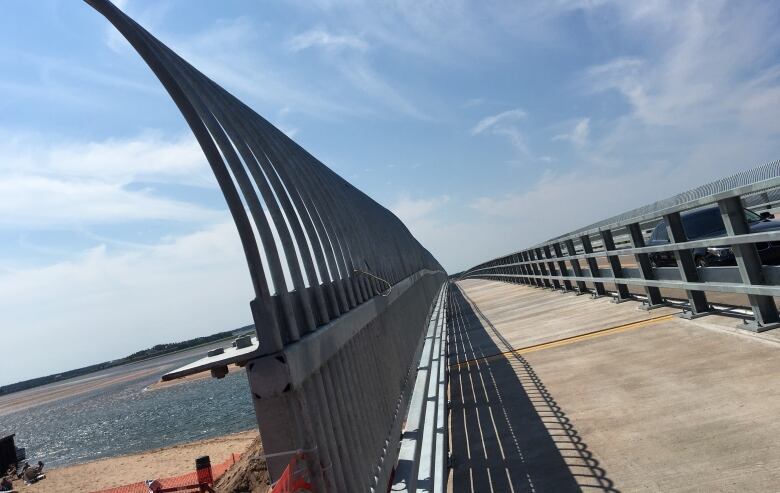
[117, 471]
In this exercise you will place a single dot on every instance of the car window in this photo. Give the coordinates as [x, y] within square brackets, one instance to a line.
[752, 217]
[660, 233]
[703, 223]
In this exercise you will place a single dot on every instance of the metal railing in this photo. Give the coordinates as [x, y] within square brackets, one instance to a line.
[556, 263]
[343, 290]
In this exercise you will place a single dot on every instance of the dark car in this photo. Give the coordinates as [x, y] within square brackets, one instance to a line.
[707, 223]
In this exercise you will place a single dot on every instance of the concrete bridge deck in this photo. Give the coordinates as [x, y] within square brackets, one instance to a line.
[555, 392]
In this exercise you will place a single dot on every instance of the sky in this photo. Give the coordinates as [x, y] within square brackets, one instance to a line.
[485, 126]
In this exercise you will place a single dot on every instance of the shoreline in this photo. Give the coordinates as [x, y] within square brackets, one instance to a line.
[162, 462]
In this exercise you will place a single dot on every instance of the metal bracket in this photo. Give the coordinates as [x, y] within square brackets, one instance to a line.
[754, 326]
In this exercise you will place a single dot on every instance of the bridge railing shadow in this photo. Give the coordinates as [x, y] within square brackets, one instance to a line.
[507, 431]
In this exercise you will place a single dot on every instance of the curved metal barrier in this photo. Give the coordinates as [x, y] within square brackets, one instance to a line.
[546, 265]
[343, 289]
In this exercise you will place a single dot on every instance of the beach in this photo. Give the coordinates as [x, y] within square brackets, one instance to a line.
[117, 471]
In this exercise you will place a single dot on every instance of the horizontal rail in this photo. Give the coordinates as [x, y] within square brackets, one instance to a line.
[422, 442]
[289, 368]
[702, 286]
[720, 241]
[556, 262]
[760, 179]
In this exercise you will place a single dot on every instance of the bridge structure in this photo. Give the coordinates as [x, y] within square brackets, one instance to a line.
[380, 373]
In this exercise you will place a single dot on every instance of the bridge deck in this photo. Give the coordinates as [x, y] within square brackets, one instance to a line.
[553, 392]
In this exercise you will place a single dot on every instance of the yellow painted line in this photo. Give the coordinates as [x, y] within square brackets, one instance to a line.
[569, 340]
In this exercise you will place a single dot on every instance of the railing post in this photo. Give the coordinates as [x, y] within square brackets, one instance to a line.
[654, 299]
[534, 268]
[529, 270]
[749, 264]
[614, 264]
[575, 266]
[551, 266]
[540, 263]
[687, 267]
[516, 269]
[593, 266]
[521, 269]
[562, 266]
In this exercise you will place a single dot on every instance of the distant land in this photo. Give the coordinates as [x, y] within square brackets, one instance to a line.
[145, 354]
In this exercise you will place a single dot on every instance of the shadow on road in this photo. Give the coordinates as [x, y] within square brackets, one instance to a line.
[507, 432]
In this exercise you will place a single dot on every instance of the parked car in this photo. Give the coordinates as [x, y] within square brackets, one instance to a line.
[707, 223]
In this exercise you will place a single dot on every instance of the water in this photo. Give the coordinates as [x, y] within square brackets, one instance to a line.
[125, 418]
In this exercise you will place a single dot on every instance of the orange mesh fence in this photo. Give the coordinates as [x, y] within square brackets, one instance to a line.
[188, 479]
[295, 478]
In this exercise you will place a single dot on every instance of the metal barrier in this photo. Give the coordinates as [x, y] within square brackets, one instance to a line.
[343, 290]
[546, 265]
[422, 460]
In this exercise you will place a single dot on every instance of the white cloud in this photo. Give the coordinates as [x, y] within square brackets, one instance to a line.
[410, 210]
[578, 135]
[225, 52]
[323, 39]
[69, 183]
[503, 124]
[102, 304]
[33, 202]
[710, 60]
[495, 120]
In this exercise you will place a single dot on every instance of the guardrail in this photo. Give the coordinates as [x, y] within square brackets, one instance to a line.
[343, 290]
[547, 265]
[423, 457]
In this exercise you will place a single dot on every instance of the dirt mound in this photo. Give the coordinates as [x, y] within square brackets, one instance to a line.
[248, 475]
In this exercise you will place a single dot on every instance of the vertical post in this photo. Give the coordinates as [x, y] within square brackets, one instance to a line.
[538, 255]
[614, 264]
[521, 269]
[562, 266]
[749, 264]
[551, 266]
[687, 266]
[654, 299]
[575, 266]
[593, 266]
[534, 268]
[529, 271]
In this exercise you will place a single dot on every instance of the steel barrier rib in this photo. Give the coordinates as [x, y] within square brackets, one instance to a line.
[759, 282]
[342, 289]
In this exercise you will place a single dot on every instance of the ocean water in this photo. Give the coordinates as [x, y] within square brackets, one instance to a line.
[126, 418]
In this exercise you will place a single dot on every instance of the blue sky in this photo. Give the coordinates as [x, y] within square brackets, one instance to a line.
[486, 126]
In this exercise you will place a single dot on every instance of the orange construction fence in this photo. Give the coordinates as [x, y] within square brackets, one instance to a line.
[183, 481]
[295, 478]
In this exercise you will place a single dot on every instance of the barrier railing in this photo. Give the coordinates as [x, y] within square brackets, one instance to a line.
[697, 265]
[342, 288]
[422, 460]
